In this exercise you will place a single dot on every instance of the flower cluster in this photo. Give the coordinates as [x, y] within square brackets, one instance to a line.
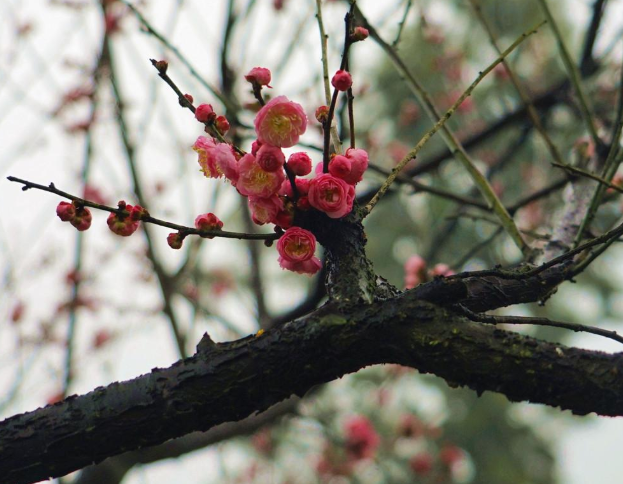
[273, 183]
[78, 216]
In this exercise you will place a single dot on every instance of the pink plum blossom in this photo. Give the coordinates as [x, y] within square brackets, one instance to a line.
[265, 210]
[280, 122]
[175, 240]
[340, 166]
[205, 113]
[270, 158]
[302, 185]
[254, 181]
[222, 124]
[300, 163]
[296, 249]
[342, 80]
[216, 160]
[208, 221]
[322, 114]
[259, 75]
[122, 226]
[359, 34]
[359, 159]
[331, 195]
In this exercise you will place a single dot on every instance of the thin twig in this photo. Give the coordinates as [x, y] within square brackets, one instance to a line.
[495, 320]
[510, 274]
[401, 24]
[432, 190]
[146, 219]
[586, 174]
[532, 113]
[148, 27]
[610, 166]
[450, 139]
[574, 75]
[337, 145]
[440, 124]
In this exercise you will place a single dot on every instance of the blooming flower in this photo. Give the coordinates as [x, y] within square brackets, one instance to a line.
[296, 249]
[270, 158]
[342, 80]
[280, 122]
[265, 210]
[259, 75]
[331, 195]
[216, 160]
[362, 440]
[254, 181]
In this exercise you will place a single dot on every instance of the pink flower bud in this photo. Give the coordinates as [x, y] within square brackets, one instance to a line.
[208, 221]
[222, 124]
[82, 220]
[137, 213]
[270, 158]
[331, 195]
[296, 249]
[255, 146]
[79, 217]
[204, 113]
[342, 80]
[340, 166]
[124, 228]
[122, 225]
[359, 159]
[189, 98]
[360, 33]
[175, 240]
[260, 76]
[280, 122]
[300, 163]
[65, 211]
[322, 114]
[162, 66]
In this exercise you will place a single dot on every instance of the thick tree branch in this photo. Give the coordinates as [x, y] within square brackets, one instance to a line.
[233, 380]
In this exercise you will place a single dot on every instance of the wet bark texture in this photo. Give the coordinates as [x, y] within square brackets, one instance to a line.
[365, 322]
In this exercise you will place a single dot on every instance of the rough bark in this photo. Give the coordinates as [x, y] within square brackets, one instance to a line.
[365, 322]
